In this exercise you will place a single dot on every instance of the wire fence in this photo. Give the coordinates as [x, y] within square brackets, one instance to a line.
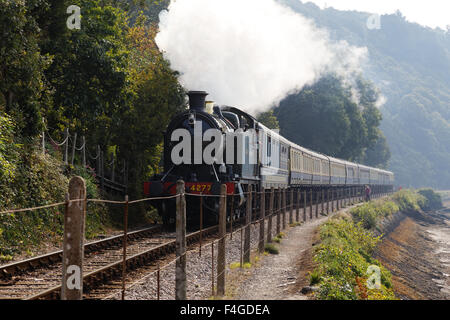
[112, 174]
[267, 213]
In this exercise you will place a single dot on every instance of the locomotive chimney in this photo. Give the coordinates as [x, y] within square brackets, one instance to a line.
[197, 100]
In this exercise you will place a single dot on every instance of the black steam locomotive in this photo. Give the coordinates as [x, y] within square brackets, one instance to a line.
[251, 154]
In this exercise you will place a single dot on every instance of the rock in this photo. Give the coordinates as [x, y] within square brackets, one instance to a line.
[308, 289]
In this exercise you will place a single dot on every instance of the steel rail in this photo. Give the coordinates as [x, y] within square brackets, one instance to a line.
[113, 270]
[48, 259]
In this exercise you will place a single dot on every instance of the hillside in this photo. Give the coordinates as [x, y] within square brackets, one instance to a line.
[410, 64]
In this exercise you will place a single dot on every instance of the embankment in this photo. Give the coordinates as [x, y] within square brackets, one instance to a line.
[410, 248]
[415, 248]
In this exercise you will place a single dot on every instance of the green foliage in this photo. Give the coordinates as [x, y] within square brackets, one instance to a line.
[38, 181]
[9, 151]
[325, 118]
[88, 175]
[408, 200]
[276, 239]
[22, 82]
[433, 200]
[30, 179]
[343, 258]
[371, 212]
[314, 277]
[410, 63]
[271, 248]
[347, 246]
[269, 120]
[107, 81]
[156, 96]
[88, 72]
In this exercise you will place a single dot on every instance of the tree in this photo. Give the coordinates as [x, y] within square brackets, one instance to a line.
[379, 154]
[326, 118]
[88, 73]
[22, 81]
[269, 120]
[155, 95]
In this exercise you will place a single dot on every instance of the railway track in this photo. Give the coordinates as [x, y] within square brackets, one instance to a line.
[40, 277]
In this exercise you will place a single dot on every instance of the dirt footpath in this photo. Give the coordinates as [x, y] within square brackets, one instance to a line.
[282, 276]
[417, 252]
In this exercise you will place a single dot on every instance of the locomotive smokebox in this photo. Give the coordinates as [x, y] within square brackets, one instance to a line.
[197, 100]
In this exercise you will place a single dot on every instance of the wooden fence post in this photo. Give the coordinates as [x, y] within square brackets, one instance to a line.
[247, 226]
[73, 247]
[328, 201]
[337, 200]
[284, 209]
[304, 205]
[180, 280]
[317, 203]
[323, 201]
[222, 235]
[262, 221]
[279, 212]
[291, 212]
[269, 223]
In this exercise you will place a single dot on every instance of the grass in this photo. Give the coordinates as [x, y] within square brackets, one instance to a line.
[347, 244]
[314, 277]
[236, 265]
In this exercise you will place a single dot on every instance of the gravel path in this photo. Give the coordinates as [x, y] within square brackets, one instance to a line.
[268, 278]
[278, 275]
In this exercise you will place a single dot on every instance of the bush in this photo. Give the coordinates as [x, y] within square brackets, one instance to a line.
[370, 212]
[270, 248]
[433, 200]
[38, 181]
[408, 200]
[29, 179]
[343, 258]
[314, 277]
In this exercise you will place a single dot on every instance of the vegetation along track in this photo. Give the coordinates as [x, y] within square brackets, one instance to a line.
[40, 277]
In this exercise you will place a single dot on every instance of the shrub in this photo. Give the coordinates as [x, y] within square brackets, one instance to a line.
[28, 179]
[343, 258]
[314, 277]
[370, 212]
[270, 248]
[432, 199]
[408, 200]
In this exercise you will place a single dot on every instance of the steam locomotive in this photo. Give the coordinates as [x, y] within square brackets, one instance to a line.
[251, 154]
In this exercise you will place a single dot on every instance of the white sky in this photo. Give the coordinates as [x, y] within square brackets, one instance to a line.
[432, 13]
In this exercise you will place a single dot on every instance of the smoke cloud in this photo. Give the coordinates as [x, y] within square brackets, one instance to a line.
[249, 53]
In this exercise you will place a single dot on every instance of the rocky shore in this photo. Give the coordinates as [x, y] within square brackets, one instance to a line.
[416, 249]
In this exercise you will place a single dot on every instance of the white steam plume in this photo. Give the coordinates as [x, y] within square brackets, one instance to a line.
[249, 53]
